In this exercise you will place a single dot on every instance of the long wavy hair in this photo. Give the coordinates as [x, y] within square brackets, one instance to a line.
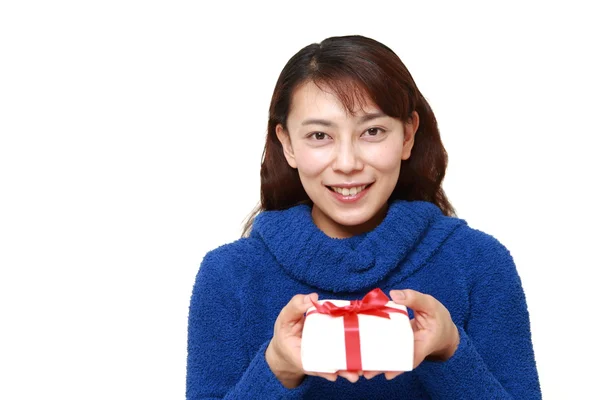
[356, 69]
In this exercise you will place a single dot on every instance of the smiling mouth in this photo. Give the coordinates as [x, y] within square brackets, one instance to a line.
[349, 191]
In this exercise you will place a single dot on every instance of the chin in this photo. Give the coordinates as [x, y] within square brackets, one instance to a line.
[353, 218]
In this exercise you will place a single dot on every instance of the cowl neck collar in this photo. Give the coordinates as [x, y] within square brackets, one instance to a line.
[410, 232]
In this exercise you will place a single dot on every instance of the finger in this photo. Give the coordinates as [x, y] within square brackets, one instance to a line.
[371, 374]
[420, 352]
[295, 309]
[332, 377]
[392, 375]
[423, 303]
[329, 377]
[413, 325]
[351, 376]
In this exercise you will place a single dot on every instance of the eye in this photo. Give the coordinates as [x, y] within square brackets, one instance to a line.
[373, 132]
[318, 135]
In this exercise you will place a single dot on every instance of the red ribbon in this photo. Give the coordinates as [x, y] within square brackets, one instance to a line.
[374, 303]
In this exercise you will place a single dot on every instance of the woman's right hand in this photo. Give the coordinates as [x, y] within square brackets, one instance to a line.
[283, 353]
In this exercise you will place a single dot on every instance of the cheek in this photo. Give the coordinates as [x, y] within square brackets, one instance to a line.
[311, 162]
[385, 158]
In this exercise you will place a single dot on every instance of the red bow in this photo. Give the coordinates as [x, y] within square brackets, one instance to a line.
[374, 303]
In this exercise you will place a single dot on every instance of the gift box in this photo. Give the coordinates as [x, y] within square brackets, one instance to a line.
[372, 334]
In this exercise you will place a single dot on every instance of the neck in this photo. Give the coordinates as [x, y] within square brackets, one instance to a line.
[336, 230]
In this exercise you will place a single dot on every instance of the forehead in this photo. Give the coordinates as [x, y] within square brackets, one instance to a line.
[312, 100]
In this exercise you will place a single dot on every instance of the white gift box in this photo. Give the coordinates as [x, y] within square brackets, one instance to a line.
[385, 344]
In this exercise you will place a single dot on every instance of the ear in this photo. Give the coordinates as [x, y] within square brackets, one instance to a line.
[286, 143]
[410, 130]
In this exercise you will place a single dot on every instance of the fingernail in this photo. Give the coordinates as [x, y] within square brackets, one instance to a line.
[399, 294]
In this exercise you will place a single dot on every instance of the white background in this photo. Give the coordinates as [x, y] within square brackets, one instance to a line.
[131, 138]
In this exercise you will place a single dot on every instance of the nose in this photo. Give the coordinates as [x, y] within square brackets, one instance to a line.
[347, 158]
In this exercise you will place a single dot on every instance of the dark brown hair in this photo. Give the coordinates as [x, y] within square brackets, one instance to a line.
[355, 68]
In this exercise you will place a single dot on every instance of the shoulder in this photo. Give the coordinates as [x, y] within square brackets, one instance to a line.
[229, 260]
[482, 252]
[481, 244]
[242, 247]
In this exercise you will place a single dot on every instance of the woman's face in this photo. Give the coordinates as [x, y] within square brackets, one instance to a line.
[348, 165]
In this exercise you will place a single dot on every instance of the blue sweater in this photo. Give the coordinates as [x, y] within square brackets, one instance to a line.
[241, 287]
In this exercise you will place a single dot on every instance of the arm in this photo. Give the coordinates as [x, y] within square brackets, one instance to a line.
[217, 365]
[494, 358]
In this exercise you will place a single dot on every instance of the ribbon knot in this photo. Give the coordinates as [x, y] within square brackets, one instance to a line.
[374, 303]
[355, 306]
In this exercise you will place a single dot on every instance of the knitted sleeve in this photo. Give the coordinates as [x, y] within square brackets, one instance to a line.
[219, 364]
[495, 358]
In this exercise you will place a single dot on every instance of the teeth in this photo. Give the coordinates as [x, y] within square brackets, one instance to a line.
[349, 191]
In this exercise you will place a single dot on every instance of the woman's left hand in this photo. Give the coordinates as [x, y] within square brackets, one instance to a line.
[436, 336]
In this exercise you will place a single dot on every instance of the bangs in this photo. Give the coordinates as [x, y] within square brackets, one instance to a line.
[353, 95]
[358, 86]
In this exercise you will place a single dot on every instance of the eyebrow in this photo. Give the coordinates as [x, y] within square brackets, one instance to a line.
[324, 122]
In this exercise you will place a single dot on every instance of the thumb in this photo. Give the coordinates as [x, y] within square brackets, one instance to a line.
[295, 309]
[309, 298]
[413, 299]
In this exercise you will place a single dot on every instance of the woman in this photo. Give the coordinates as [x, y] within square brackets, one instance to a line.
[351, 200]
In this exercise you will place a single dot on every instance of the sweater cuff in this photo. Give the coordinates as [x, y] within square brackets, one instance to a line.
[260, 380]
[464, 370]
